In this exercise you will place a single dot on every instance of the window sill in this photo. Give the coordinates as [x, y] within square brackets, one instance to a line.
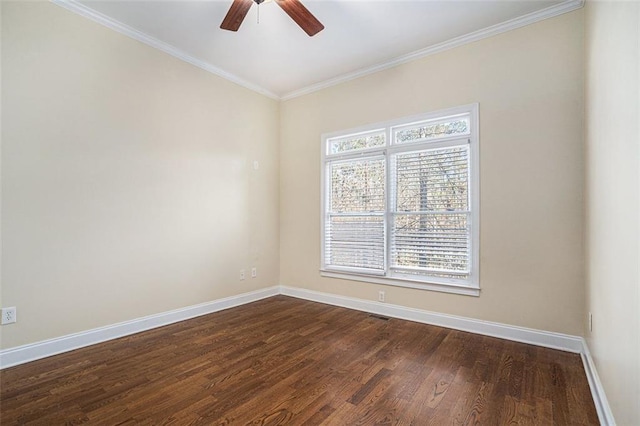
[421, 285]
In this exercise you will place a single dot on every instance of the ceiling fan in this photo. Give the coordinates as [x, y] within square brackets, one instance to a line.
[293, 8]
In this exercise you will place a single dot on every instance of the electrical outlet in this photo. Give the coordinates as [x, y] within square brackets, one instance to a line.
[381, 296]
[254, 272]
[9, 315]
[241, 274]
[590, 321]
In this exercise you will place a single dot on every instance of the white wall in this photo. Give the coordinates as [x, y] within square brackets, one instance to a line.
[613, 200]
[529, 84]
[127, 180]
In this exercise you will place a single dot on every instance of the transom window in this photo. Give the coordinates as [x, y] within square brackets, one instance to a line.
[400, 202]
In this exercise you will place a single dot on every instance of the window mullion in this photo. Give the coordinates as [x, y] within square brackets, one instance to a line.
[404, 240]
[388, 205]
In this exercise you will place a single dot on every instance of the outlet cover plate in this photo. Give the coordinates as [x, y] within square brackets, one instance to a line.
[9, 315]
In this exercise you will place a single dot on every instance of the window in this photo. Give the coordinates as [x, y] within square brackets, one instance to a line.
[400, 202]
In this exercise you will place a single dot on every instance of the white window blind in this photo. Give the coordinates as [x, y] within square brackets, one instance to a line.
[355, 220]
[400, 201]
[430, 223]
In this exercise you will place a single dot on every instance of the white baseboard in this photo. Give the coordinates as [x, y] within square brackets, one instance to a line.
[531, 336]
[547, 339]
[46, 348]
[22, 354]
[597, 391]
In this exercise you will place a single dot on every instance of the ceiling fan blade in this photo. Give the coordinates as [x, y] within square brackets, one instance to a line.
[236, 14]
[301, 15]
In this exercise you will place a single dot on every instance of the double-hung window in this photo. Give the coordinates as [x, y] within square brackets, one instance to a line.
[400, 202]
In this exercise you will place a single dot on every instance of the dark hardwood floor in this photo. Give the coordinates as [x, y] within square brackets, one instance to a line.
[287, 361]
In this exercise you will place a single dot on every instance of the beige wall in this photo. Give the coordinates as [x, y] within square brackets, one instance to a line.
[127, 186]
[127, 180]
[613, 200]
[529, 84]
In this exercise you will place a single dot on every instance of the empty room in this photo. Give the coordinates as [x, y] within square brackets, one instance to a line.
[306, 212]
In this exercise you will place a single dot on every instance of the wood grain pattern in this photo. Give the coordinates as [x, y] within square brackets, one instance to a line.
[287, 361]
[236, 14]
[301, 15]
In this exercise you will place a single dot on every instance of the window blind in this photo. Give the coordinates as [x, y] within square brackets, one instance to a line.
[430, 221]
[400, 202]
[355, 222]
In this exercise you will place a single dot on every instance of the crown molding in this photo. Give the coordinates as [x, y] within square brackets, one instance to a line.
[549, 12]
[82, 10]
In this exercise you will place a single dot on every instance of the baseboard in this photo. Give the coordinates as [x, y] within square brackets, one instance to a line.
[46, 348]
[547, 339]
[531, 336]
[597, 391]
[22, 354]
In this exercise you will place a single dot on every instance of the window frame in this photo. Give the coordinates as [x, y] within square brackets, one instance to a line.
[469, 286]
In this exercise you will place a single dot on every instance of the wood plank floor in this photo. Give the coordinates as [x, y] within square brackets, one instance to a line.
[287, 361]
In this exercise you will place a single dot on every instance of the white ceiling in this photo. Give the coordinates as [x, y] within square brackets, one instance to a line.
[276, 57]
